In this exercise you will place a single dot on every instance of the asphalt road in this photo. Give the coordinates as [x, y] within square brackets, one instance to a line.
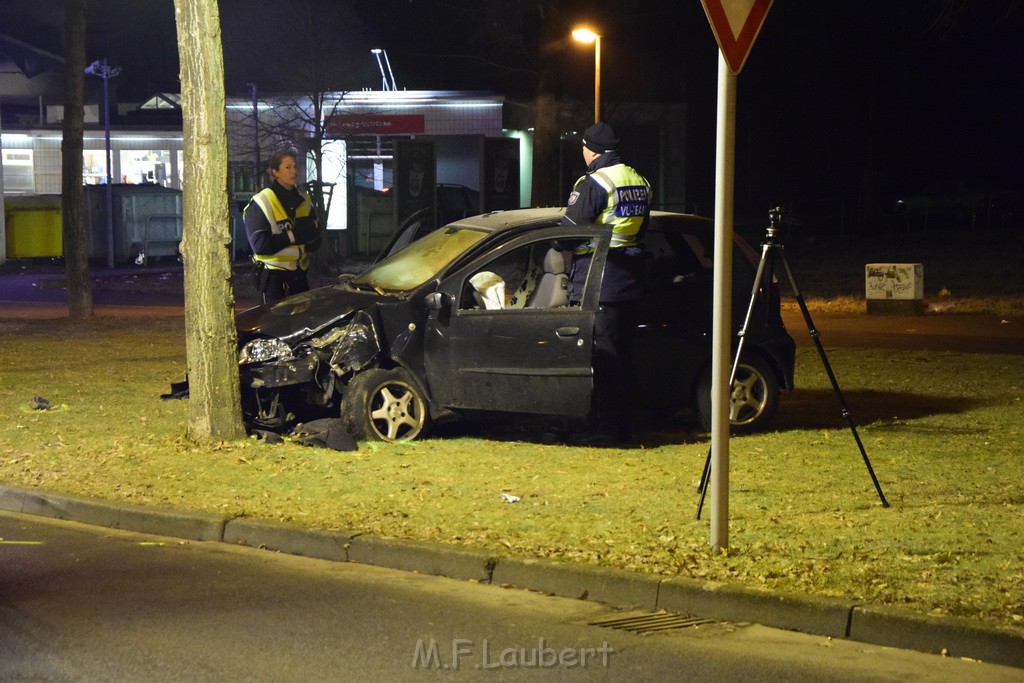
[965, 333]
[80, 603]
[24, 296]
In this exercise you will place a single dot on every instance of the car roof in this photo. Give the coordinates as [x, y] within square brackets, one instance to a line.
[515, 218]
[665, 222]
[497, 221]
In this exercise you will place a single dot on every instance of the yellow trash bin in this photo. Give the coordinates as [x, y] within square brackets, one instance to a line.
[34, 227]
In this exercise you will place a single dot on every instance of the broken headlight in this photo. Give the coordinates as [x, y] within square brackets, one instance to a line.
[264, 351]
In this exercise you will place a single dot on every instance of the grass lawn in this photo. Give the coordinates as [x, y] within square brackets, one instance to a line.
[943, 432]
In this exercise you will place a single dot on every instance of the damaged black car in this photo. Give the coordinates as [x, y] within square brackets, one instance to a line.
[474, 318]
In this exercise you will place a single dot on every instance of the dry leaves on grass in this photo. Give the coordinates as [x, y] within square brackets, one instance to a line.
[943, 435]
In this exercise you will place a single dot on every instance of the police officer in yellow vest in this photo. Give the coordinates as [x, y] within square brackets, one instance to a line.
[611, 193]
[282, 228]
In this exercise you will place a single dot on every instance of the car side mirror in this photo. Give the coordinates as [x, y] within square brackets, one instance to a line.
[437, 301]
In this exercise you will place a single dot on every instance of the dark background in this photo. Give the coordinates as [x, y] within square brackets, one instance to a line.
[850, 105]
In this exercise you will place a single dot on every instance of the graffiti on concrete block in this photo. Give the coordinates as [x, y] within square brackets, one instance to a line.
[894, 281]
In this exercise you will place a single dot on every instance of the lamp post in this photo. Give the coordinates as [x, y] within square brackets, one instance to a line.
[586, 35]
[380, 65]
[106, 72]
[377, 52]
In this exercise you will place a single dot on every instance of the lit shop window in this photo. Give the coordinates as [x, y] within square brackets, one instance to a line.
[19, 176]
[94, 167]
[146, 167]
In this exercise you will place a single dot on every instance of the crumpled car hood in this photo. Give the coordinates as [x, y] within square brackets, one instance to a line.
[303, 314]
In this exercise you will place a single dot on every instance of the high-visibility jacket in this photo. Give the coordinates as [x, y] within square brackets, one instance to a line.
[294, 255]
[629, 202]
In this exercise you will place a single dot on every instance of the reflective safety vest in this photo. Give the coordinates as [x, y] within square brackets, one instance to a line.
[629, 201]
[294, 255]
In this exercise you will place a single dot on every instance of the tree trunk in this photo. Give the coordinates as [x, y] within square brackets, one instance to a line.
[76, 254]
[547, 191]
[211, 340]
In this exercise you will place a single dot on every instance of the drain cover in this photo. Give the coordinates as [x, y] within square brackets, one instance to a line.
[653, 623]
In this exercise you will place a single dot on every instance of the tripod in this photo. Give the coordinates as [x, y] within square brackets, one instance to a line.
[771, 251]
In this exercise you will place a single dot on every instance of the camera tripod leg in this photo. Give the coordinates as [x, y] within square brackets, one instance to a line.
[763, 266]
[766, 267]
[831, 375]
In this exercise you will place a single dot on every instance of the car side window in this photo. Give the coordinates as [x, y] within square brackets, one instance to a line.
[674, 260]
[491, 286]
[531, 276]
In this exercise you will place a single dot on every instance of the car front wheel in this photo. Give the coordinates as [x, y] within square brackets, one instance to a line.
[752, 401]
[385, 405]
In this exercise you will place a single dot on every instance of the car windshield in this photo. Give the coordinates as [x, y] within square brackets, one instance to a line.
[420, 261]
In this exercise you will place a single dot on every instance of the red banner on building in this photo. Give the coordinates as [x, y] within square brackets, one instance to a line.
[370, 124]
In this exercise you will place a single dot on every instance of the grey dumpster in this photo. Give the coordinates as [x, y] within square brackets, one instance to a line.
[147, 222]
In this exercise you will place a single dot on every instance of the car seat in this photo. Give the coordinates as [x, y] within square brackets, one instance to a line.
[553, 286]
[526, 288]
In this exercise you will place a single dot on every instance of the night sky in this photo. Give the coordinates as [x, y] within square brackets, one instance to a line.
[857, 101]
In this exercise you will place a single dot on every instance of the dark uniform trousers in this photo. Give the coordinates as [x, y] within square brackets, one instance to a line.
[276, 283]
[614, 379]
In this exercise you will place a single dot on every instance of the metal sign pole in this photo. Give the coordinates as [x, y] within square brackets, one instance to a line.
[109, 190]
[3, 224]
[722, 320]
[103, 70]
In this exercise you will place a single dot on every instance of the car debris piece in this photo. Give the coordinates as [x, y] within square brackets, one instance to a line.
[326, 433]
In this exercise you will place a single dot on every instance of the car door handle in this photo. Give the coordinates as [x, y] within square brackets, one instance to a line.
[567, 331]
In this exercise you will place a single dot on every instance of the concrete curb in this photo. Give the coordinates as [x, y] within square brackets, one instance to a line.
[956, 637]
[434, 559]
[149, 520]
[288, 538]
[585, 582]
[815, 615]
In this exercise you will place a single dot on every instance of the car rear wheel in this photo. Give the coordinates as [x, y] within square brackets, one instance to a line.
[752, 402]
[384, 405]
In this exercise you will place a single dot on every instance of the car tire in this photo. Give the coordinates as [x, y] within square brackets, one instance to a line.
[384, 405]
[753, 401]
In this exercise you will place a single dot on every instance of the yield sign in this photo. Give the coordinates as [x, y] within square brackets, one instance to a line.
[736, 24]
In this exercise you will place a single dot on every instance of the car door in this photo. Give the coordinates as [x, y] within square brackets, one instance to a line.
[674, 333]
[514, 357]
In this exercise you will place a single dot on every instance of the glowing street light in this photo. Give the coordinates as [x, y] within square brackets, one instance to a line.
[586, 35]
[377, 52]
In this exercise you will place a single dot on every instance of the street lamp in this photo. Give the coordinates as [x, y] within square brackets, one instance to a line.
[377, 52]
[106, 72]
[586, 35]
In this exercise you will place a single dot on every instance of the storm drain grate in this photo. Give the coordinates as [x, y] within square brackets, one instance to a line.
[653, 623]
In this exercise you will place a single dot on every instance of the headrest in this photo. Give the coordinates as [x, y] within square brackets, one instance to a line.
[554, 262]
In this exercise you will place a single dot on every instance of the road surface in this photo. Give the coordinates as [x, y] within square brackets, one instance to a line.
[80, 603]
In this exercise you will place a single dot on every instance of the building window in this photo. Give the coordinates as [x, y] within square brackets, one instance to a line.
[146, 167]
[94, 166]
[19, 173]
[334, 168]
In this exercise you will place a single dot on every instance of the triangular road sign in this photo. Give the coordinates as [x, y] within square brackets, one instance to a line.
[736, 24]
